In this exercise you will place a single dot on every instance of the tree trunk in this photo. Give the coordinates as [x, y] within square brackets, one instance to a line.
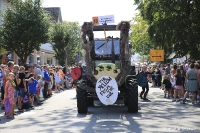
[23, 60]
[66, 60]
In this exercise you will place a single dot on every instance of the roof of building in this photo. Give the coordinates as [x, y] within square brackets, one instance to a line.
[47, 46]
[55, 12]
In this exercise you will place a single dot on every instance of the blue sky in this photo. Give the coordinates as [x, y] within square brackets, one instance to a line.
[84, 10]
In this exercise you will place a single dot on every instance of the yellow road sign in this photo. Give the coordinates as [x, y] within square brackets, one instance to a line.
[156, 55]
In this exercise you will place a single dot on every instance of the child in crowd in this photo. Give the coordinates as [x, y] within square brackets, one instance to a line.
[9, 94]
[178, 85]
[32, 83]
[171, 77]
[166, 85]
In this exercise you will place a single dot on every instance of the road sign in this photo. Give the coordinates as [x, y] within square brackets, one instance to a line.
[156, 55]
[100, 20]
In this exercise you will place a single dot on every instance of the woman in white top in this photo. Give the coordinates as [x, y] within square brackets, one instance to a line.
[57, 80]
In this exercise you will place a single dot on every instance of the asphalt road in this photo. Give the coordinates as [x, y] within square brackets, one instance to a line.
[59, 115]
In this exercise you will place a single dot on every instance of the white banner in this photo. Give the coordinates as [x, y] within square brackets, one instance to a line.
[108, 19]
[107, 90]
[174, 60]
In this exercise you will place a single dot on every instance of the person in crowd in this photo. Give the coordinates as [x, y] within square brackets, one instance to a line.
[17, 82]
[183, 73]
[149, 75]
[38, 87]
[192, 82]
[32, 84]
[153, 77]
[174, 69]
[9, 93]
[168, 69]
[133, 71]
[69, 79]
[196, 66]
[47, 81]
[9, 69]
[178, 85]
[158, 77]
[145, 74]
[51, 75]
[1, 83]
[57, 80]
[61, 74]
[22, 86]
[166, 85]
[37, 71]
[198, 94]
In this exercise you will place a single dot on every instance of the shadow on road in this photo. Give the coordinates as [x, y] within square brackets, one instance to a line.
[156, 115]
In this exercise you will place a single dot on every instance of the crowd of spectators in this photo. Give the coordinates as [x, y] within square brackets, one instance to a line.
[179, 81]
[27, 86]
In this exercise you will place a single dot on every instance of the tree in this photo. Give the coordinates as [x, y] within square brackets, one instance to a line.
[139, 36]
[25, 27]
[173, 24]
[65, 40]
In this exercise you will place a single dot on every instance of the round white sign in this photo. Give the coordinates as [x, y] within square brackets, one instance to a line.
[107, 90]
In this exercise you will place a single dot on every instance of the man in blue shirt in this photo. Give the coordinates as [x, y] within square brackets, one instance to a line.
[46, 81]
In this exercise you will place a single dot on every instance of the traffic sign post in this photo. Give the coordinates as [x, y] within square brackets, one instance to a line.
[156, 55]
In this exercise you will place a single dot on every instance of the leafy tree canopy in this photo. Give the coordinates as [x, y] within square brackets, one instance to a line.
[65, 41]
[139, 36]
[173, 24]
[25, 27]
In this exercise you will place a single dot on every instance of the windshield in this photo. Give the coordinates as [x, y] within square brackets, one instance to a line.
[101, 49]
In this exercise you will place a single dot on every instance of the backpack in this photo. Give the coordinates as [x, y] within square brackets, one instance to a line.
[25, 101]
[141, 79]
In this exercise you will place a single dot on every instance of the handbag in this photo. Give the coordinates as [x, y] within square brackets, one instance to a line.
[7, 106]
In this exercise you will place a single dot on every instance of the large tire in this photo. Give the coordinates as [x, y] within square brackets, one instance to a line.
[82, 101]
[90, 102]
[125, 101]
[133, 98]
